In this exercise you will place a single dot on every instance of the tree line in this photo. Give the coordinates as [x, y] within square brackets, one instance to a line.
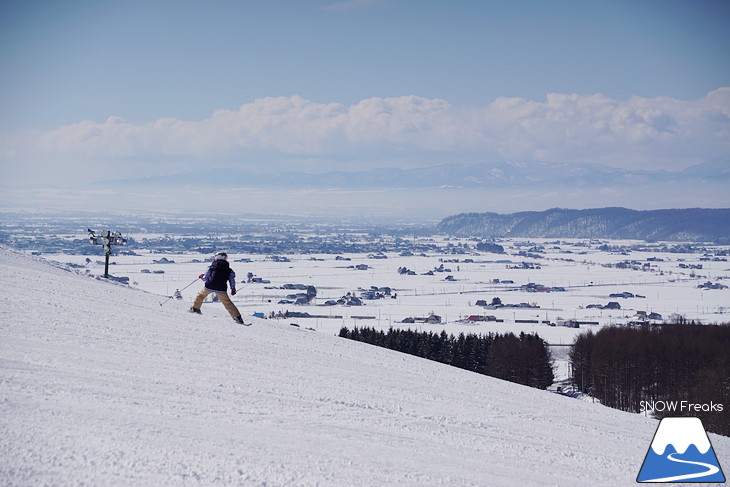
[524, 358]
[625, 368]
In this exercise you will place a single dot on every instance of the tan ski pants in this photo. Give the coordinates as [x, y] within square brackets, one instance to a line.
[223, 297]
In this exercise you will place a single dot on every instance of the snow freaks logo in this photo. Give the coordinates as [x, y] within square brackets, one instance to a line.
[679, 406]
[680, 452]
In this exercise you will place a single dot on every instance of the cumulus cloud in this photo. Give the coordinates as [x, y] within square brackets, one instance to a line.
[596, 128]
[639, 132]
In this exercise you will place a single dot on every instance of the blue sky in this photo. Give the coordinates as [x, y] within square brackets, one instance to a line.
[101, 90]
[87, 60]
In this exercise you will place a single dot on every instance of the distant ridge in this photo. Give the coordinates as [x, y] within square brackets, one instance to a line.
[486, 175]
[693, 224]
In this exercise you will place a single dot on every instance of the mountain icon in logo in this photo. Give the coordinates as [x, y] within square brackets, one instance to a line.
[680, 452]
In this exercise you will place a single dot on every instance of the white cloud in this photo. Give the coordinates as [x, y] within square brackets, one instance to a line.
[639, 132]
[407, 120]
[287, 124]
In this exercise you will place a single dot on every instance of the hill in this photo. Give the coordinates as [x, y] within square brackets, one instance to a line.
[694, 224]
[100, 385]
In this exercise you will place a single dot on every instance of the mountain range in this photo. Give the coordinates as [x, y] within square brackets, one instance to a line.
[465, 175]
[388, 193]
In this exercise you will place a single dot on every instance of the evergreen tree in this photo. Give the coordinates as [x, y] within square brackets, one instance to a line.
[622, 367]
[525, 360]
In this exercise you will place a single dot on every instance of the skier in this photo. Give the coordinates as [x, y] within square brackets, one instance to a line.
[217, 278]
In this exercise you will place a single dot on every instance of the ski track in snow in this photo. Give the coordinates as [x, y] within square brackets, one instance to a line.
[100, 385]
[711, 470]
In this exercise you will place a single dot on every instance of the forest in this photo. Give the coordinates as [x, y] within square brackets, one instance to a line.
[524, 358]
[626, 368]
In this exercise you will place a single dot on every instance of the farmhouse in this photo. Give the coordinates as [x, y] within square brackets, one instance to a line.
[482, 318]
[432, 319]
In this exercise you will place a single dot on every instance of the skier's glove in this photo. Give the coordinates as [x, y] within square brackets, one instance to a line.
[233, 292]
[201, 276]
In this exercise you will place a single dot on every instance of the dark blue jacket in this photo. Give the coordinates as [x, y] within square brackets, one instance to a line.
[218, 275]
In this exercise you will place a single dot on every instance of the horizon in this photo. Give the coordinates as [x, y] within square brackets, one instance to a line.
[175, 223]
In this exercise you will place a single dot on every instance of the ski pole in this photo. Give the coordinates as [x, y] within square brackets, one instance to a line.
[183, 289]
[242, 287]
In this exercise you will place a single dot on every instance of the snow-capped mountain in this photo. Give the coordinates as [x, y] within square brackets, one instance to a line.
[486, 175]
[390, 192]
[100, 384]
[681, 433]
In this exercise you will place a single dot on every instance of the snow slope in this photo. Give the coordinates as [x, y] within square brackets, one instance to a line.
[100, 385]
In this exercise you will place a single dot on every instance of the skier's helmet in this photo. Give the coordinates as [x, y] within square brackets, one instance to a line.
[221, 255]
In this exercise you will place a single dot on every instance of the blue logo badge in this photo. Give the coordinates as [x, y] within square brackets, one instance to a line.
[681, 452]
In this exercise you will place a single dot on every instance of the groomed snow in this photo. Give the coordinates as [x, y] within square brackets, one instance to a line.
[100, 385]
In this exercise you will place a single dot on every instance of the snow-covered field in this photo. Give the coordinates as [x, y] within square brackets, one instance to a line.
[100, 385]
[580, 268]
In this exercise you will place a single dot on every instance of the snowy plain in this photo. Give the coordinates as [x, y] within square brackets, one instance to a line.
[587, 274]
[101, 385]
[664, 282]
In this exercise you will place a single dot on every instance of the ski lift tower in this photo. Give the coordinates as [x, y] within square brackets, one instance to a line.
[107, 238]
